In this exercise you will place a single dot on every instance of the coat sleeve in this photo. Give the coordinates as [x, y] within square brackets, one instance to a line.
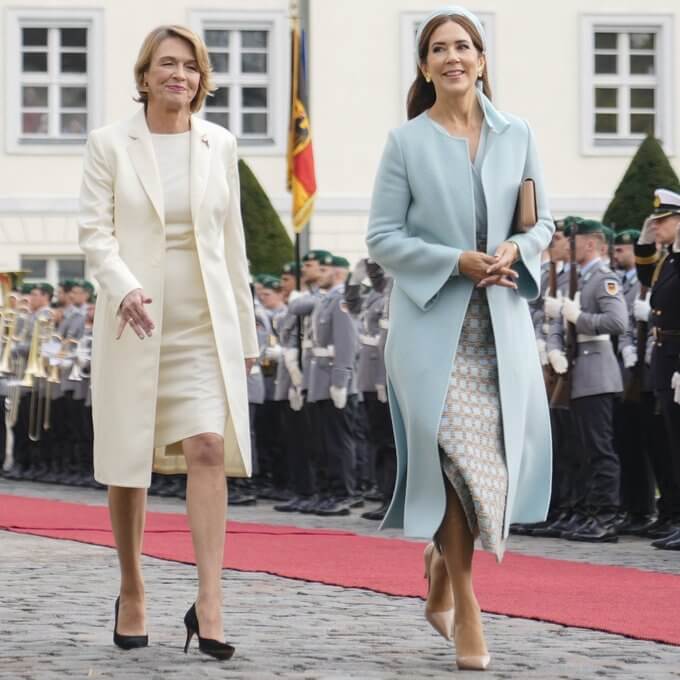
[345, 344]
[96, 228]
[536, 240]
[237, 262]
[419, 268]
[613, 315]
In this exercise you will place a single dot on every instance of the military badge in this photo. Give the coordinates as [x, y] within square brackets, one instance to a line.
[657, 201]
[612, 287]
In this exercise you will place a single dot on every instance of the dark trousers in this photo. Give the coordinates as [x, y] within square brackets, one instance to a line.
[365, 451]
[338, 446]
[566, 473]
[252, 413]
[270, 446]
[593, 418]
[22, 444]
[631, 443]
[381, 435]
[671, 417]
[3, 432]
[300, 451]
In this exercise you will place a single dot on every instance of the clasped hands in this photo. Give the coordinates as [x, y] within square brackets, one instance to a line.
[491, 270]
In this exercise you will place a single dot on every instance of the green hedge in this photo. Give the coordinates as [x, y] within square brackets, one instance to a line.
[634, 198]
[268, 245]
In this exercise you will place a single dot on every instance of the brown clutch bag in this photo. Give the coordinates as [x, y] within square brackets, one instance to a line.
[526, 211]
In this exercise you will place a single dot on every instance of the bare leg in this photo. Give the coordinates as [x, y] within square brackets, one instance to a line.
[127, 507]
[457, 543]
[206, 508]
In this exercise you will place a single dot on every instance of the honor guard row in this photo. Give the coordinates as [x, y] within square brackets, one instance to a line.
[608, 333]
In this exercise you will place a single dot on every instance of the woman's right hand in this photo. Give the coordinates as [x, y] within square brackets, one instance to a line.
[131, 311]
[475, 265]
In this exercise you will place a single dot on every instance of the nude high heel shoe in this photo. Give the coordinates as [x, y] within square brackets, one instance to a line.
[472, 662]
[441, 621]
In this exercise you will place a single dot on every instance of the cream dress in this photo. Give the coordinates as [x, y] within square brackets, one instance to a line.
[191, 397]
[470, 437]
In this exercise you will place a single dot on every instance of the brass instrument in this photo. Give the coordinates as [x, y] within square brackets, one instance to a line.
[82, 359]
[36, 373]
[10, 319]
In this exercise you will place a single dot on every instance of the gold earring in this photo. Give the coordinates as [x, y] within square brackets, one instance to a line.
[480, 74]
[427, 78]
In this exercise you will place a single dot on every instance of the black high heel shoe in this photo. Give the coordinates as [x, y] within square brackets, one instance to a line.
[127, 641]
[215, 648]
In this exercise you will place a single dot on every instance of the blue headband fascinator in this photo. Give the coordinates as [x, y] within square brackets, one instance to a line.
[447, 11]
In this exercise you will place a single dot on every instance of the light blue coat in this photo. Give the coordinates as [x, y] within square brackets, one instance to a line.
[422, 218]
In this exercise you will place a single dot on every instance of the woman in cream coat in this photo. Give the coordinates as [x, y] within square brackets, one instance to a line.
[174, 335]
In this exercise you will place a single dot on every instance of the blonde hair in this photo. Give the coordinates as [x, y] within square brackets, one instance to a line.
[206, 84]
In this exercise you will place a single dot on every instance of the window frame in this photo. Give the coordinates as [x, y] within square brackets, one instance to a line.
[408, 25]
[661, 25]
[16, 19]
[53, 276]
[278, 51]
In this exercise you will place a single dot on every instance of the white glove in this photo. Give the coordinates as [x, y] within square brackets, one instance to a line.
[542, 352]
[296, 398]
[359, 273]
[552, 306]
[571, 309]
[558, 361]
[339, 396]
[290, 358]
[648, 231]
[274, 352]
[642, 309]
[629, 356]
[675, 385]
[381, 393]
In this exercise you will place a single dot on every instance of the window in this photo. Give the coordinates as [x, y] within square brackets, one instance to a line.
[52, 64]
[626, 81]
[410, 21]
[53, 269]
[250, 59]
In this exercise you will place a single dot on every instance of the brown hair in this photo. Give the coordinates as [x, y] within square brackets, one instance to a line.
[421, 94]
[150, 45]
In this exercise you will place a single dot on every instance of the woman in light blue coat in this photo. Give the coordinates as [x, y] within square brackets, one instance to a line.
[468, 403]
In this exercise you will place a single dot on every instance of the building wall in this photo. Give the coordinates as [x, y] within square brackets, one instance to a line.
[358, 64]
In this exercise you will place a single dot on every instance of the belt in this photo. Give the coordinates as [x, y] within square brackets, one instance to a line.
[661, 334]
[384, 323]
[307, 344]
[324, 352]
[593, 338]
[370, 340]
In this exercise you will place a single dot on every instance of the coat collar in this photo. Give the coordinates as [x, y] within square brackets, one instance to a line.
[143, 159]
[496, 121]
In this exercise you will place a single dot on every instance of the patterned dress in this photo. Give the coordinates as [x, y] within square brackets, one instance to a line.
[471, 429]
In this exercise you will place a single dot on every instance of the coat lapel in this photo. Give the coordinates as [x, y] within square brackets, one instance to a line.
[143, 159]
[200, 165]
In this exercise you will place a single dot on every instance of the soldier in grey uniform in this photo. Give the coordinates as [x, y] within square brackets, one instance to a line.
[332, 387]
[597, 312]
[372, 313]
[638, 485]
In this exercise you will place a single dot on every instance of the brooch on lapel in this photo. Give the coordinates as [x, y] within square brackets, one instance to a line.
[204, 139]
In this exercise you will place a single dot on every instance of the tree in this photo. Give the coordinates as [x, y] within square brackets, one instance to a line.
[267, 242]
[634, 198]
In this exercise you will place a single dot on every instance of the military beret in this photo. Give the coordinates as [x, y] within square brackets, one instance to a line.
[261, 278]
[609, 233]
[67, 284]
[26, 288]
[569, 221]
[626, 237]
[666, 203]
[290, 268]
[271, 283]
[45, 288]
[318, 255]
[87, 285]
[339, 261]
[589, 227]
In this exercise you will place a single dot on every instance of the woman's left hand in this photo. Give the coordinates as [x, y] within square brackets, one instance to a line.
[500, 273]
[249, 365]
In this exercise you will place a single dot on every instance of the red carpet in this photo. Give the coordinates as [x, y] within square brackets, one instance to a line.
[630, 602]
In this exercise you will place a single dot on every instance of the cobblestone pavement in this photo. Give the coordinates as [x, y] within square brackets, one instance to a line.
[57, 601]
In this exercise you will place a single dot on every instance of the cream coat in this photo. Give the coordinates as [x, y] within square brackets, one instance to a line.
[122, 234]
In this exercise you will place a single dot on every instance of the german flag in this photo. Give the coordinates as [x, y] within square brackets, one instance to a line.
[301, 175]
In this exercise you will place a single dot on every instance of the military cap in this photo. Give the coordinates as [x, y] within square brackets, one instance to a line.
[261, 278]
[87, 285]
[44, 288]
[290, 268]
[626, 237]
[569, 221]
[339, 261]
[272, 283]
[589, 227]
[666, 203]
[26, 288]
[609, 233]
[318, 255]
[67, 284]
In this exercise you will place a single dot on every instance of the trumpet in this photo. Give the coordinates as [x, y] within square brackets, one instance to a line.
[36, 373]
